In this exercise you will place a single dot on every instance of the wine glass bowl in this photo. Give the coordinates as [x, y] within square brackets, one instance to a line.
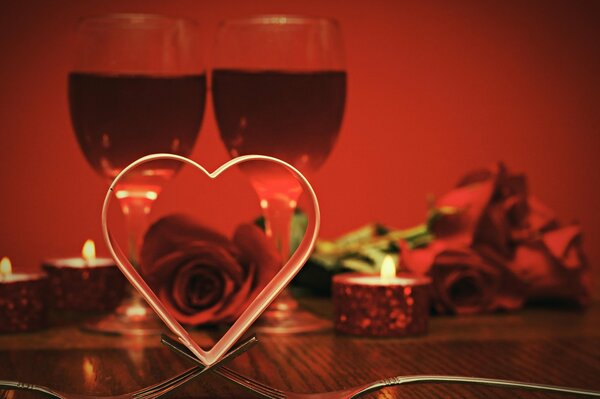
[294, 116]
[279, 88]
[137, 87]
[120, 118]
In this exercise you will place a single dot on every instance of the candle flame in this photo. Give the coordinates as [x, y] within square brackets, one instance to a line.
[5, 266]
[89, 250]
[388, 268]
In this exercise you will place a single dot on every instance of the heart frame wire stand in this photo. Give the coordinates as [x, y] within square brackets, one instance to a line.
[265, 297]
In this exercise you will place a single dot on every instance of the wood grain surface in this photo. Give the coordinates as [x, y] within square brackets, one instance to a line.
[541, 345]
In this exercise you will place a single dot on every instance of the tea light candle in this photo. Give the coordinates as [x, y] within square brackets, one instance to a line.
[22, 299]
[385, 305]
[85, 283]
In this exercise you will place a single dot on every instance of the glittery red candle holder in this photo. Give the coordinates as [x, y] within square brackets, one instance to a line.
[23, 299]
[369, 305]
[94, 285]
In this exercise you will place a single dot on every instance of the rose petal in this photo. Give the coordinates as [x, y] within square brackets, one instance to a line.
[497, 216]
[511, 293]
[207, 316]
[472, 200]
[517, 211]
[170, 233]
[481, 175]
[514, 200]
[546, 278]
[465, 283]
[511, 185]
[197, 288]
[237, 303]
[540, 216]
[420, 260]
[209, 254]
[559, 242]
[493, 230]
[163, 268]
[462, 292]
[256, 249]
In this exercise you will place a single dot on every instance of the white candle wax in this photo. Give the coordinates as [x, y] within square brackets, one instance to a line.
[366, 279]
[16, 277]
[80, 262]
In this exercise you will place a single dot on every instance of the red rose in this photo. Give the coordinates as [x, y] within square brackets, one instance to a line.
[200, 275]
[463, 281]
[539, 219]
[554, 266]
[491, 207]
[495, 246]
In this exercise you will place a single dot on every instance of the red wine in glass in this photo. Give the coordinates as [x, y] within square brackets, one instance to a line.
[120, 118]
[294, 116]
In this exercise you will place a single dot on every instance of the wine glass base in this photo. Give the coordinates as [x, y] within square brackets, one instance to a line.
[294, 321]
[115, 325]
[132, 317]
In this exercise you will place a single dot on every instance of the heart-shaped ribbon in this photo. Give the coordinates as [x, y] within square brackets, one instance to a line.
[262, 300]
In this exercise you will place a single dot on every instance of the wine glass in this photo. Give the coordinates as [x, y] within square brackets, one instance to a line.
[137, 87]
[279, 89]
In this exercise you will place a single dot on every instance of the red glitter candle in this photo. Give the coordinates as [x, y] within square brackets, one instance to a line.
[23, 299]
[86, 284]
[383, 306]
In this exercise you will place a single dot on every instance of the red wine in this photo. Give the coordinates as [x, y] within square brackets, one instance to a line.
[119, 118]
[294, 116]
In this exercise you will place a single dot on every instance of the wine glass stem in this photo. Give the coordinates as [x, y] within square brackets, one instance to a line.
[278, 213]
[136, 212]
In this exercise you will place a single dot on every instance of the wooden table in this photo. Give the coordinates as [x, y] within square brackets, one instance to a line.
[540, 344]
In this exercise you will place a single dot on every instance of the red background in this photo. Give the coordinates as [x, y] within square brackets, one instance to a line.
[435, 88]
